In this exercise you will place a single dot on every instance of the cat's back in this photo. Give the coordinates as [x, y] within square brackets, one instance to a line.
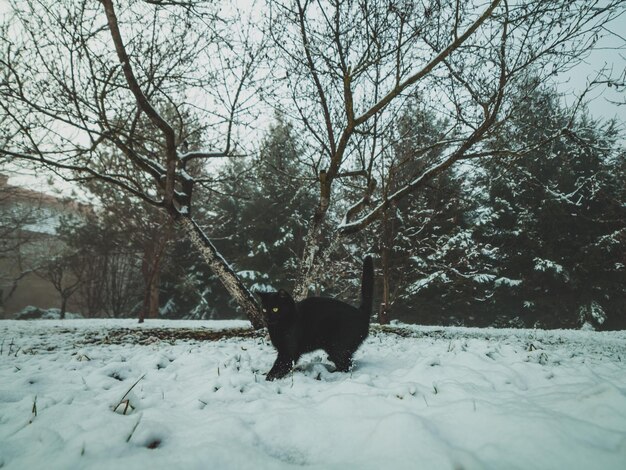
[323, 314]
[323, 306]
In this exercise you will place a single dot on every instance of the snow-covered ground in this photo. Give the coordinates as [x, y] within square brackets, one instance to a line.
[430, 398]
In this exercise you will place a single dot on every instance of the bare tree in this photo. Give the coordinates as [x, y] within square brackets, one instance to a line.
[64, 273]
[81, 77]
[608, 78]
[350, 65]
[109, 258]
[154, 252]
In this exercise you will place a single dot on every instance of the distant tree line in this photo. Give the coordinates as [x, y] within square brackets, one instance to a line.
[427, 133]
[532, 240]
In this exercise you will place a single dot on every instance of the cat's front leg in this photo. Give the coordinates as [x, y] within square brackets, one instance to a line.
[281, 367]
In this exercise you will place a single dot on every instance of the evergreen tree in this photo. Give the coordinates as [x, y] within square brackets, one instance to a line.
[279, 207]
[262, 211]
[186, 287]
[426, 241]
[555, 220]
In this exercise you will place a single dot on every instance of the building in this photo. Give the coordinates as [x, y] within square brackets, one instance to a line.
[29, 221]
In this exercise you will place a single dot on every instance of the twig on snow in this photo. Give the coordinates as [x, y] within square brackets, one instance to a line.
[127, 402]
[134, 428]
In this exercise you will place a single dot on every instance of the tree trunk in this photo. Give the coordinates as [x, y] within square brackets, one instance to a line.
[383, 314]
[142, 312]
[387, 233]
[385, 305]
[151, 270]
[312, 242]
[150, 308]
[240, 293]
[63, 307]
[153, 304]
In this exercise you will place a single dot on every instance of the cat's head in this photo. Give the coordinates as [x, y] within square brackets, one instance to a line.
[276, 306]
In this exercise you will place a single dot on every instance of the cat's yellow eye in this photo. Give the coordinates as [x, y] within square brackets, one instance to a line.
[275, 309]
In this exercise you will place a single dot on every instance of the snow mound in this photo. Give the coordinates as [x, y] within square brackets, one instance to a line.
[418, 397]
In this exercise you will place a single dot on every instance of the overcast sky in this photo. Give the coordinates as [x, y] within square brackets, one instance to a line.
[609, 54]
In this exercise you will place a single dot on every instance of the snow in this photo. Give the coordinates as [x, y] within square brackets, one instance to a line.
[424, 282]
[483, 278]
[505, 281]
[418, 397]
[546, 265]
[247, 274]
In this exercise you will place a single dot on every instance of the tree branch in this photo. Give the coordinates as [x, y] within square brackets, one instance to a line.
[397, 90]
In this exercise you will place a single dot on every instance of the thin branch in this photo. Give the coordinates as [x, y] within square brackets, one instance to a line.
[379, 106]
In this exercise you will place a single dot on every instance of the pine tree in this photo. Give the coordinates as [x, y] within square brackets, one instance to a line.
[555, 220]
[426, 242]
[280, 206]
[262, 211]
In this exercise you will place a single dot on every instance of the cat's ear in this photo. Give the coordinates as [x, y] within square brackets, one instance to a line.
[283, 294]
[262, 295]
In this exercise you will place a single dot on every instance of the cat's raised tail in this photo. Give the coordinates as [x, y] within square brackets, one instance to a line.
[367, 286]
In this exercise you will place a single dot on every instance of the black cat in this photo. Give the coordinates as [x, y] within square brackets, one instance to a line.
[317, 323]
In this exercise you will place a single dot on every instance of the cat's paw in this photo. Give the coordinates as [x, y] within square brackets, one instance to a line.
[273, 375]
